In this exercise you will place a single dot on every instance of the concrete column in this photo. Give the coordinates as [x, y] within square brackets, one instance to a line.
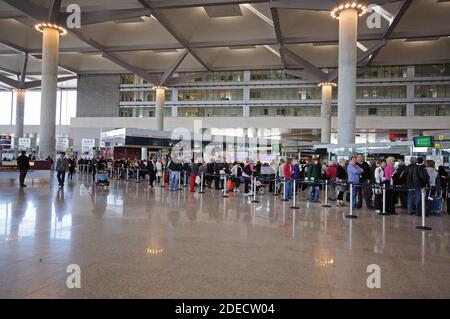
[20, 114]
[47, 127]
[144, 153]
[325, 113]
[348, 25]
[159, 111]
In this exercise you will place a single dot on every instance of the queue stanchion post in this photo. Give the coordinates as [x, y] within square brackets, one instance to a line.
[254, 191]
[423, 226]
[285, 199]
[294, 204]
[326, 195]
[351, 203]
[383, 211]
[137, 175]
[185, 179]
[179, 181]
[201, 184]
[275, 187]
[224, 195]
[128, 175]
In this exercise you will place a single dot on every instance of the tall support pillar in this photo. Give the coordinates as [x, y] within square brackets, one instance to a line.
[50, 56]
[160, 101]
[20, 115]
[325, 112]
[348, 31]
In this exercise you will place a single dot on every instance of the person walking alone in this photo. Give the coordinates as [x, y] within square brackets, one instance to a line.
[23, 164]
[62, 166]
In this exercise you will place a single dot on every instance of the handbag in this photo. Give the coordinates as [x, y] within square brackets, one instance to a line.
[197, 179]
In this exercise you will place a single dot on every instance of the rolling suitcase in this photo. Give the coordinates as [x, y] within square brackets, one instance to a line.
[434, 203]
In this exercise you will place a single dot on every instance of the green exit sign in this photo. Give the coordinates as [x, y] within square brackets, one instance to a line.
[423, 141]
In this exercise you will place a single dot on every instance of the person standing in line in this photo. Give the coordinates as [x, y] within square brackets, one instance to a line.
[280, 175]
[398, 179]
[151, 170]
[247, 174]
[159, 170]
[23, 164]
[390, 194]
[62, 166]
[416, 178]
[366, 177]
[354, 172]
[379, 180]
[288, 175]
[193, 171]
[341, 177]
[331, 172]
[313, 174]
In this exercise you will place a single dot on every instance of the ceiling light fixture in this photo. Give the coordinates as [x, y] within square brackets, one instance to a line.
[360, 8]
[47, 25]
[327, 84]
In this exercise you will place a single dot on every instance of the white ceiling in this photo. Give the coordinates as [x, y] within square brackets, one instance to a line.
[208, 40]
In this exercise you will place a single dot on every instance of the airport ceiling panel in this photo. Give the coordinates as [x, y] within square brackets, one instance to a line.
[16, 33]
[145, 30]
[89, 63]
[257, 57]
[195, 25]
[14, 63]
[323, 56]
[427, 17]
[415, 52]
[190, 64]
[157, 61]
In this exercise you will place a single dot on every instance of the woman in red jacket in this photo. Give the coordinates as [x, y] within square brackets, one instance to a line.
[288, 172]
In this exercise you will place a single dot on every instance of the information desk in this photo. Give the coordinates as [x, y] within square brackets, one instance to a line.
[38, 170]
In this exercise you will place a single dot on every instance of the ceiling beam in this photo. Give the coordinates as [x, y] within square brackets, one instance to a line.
[401, 12]
[38, 83]
[170, 28]
[8, 81]
[178, 4]
[93, 17]
[23, 75]
[317, 73]
[29, 9]
[53, 13]
[277, 27]
[322, 5]
[171, 70]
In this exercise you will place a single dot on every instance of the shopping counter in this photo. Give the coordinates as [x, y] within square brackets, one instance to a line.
[38, 170]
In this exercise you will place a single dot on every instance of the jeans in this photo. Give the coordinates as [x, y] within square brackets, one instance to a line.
[367, 196]
[288, 190]
[174, 180]
[314, 189]
[418, 201]
[61, 175]
[23, 174]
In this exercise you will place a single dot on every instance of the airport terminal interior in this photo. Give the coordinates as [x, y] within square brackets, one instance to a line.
[224, 149]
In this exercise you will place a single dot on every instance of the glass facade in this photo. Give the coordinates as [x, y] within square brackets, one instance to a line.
[211, 95]
[433, 70]
[432, 110]
[376, 110]
[270, 75]
[217, 77]
[66, 107]
[142, 96]
[228, 111]
[133, 79]
[383, 72]
[381, 92]
[287, 110]
[306, 93]
[142, 112]
[432, 91]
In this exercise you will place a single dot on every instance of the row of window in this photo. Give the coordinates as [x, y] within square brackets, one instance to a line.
[142, 96]
[289, 111]
[432, 91]
[302, 93]
[374, 72]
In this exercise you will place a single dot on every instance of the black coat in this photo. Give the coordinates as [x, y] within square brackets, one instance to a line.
[23, 162]
[416, 175]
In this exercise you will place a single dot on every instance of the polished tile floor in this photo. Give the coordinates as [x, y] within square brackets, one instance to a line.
[133, 241]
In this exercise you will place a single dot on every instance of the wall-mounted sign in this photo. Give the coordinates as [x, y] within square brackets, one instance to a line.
[62, 144]
[87, 145]
[24, 143]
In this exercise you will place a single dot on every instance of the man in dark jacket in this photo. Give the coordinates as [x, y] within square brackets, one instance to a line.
[416, 177]
[366, 177]
[151, 169]
[23, 164]
[219, 165]
[399, 178]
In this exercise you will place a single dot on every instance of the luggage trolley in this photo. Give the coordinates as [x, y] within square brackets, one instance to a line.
[102, 181]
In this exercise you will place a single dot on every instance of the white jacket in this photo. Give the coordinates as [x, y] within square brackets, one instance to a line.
[379, 175]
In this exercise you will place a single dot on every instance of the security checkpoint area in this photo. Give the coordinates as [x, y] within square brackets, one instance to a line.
[231, 158]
